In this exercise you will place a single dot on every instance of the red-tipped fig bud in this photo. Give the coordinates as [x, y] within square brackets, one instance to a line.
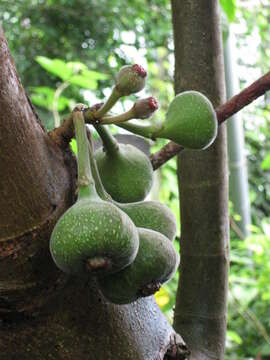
[130, 79]
[144, 108]
[139, 70]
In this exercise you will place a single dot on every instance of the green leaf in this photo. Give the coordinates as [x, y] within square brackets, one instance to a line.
[56, 67]
[83, 82]
[95, 75]
[229, 7]
[234, 258]
[74, 71]
[265, 164]
[73, 145]
[43, 96]
[233, 336]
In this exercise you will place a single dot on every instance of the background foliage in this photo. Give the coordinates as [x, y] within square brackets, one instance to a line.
[68, 51]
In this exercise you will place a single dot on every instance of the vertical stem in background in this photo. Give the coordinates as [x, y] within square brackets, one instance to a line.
[201, 304]
[236, 147]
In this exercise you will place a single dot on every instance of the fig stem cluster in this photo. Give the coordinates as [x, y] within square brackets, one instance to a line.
[111, 232]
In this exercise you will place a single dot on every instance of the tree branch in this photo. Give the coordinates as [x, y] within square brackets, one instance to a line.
[244, 98]
[64, 133]
[167, 152]
[231, 107]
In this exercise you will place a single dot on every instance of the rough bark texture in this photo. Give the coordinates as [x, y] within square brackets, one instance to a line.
[79, 324]
[44, 314]
[35, 189]
[200, 312]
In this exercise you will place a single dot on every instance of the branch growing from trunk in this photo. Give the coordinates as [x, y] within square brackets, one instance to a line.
[63, 134]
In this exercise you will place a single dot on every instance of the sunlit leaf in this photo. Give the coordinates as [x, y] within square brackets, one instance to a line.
[43, 96]
[162, 297]
[56, 66]
[83, 82]
[229, 7]
[233, 336]
[73, 145]
[265, 164]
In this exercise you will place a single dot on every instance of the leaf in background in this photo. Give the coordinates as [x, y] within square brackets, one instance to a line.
[229, 7]
[76, 66]
[84, 82]
[85, 78]
[73, 145]
[243, 260]
[56, 66]
[265, 164]
[162, 297]
[94, 74]
[234, 337]
[74, 72]
[43, 96]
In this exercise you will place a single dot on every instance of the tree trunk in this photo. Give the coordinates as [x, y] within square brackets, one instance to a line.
[200, 312]
[43, 313]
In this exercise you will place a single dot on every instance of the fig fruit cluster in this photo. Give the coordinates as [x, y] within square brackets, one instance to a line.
[112, 232]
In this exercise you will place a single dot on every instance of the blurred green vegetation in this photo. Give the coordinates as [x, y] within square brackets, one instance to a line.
[68, 51]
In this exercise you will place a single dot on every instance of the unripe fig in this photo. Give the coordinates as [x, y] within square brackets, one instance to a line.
[155, 263]
[145, 214]
[190, 121]
[126, 172]
[93, 235]
[151, 215]
[130, 79]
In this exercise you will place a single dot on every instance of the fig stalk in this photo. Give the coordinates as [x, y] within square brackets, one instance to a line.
[109, 142]
[142, 109]
[86, 184]
[129, 80]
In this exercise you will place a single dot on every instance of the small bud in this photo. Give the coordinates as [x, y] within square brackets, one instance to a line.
[130, 79]
[144, 108]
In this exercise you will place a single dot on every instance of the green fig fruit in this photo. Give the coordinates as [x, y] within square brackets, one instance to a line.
[145, 214]
[190, 121]
[151, 215]
[155, 263]
[93, 235]
[126, 172]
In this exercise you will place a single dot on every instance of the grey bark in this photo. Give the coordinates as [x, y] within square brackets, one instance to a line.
[200, 312]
